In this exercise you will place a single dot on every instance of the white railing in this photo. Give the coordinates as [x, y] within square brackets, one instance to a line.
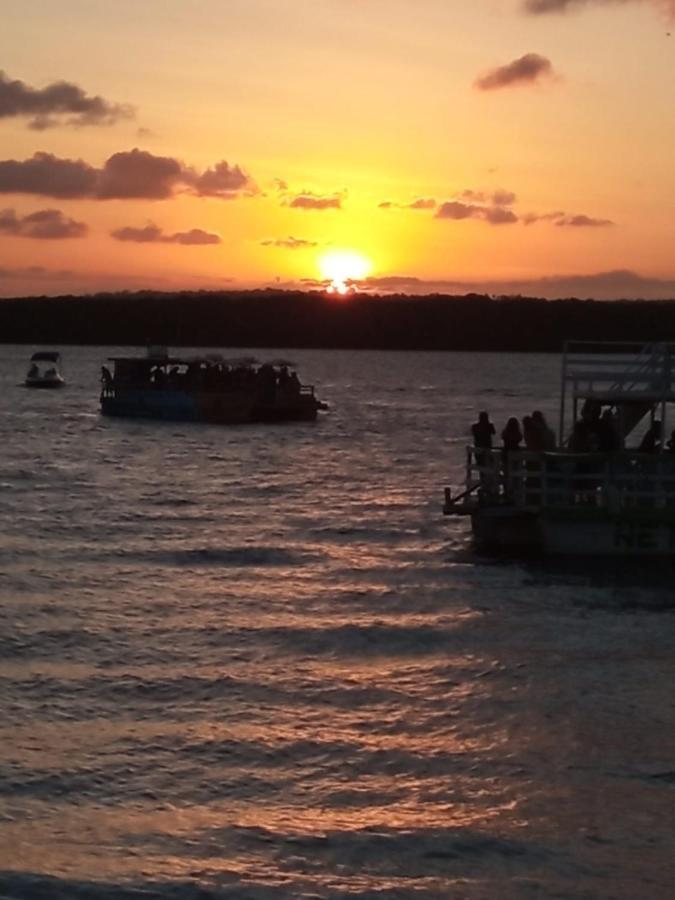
[534, 481]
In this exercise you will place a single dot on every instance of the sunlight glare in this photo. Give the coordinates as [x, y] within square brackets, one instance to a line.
[341, 268]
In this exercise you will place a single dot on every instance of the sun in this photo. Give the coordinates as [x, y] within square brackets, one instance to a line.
[342, 268]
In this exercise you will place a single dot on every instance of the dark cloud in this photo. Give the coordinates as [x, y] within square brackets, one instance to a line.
[139, 174]
[531, 218]
[542, 7]
[537, 7]
[132, 174]
[223, 181]
[582, 221]
[494, 215]
[60, 103]
[498, 215]
[153, 234]
[386, 204]
[503, 198]
[499, 197]
[147, 235]
[563, 220]
[454, 209]
[48, 176]
[313, 201]
[44, 224]
[290, 243]
[528, 69]
[194, 237]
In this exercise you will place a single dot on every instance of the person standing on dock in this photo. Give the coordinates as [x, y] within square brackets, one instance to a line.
[483, 431]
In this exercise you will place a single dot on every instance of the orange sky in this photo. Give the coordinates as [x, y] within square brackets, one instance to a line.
[501, 145]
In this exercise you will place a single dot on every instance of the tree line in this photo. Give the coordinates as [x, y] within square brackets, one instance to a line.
[295, 319]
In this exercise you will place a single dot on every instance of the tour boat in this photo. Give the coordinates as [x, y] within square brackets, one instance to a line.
[44, 370]
[205, 389]
[586, 501]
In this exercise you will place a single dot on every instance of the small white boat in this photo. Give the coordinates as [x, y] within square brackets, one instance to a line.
[45, 370]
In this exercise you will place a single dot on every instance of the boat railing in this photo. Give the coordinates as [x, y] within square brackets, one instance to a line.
[532, 481]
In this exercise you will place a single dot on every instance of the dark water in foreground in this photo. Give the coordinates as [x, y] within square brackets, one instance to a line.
[257, 662]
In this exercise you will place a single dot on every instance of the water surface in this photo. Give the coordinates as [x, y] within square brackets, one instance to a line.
[257, 662]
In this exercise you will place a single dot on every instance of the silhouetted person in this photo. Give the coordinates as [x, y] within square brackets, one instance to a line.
[651, 442]
[587, 430]
[512, 436]
[543, 435]
[482, 432]
[608, 433]
[530, 434]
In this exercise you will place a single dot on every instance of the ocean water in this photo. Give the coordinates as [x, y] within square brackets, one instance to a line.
[258, 663]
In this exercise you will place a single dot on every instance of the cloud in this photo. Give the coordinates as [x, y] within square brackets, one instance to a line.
[582, 221]
[498, 215]
[132, 174]
[139, 174]
[504, 198]
[34, 272]
[307, 200]
[194, 237]
[613, 285]
[541, 7]
[528, 69]
[153, 234]
[537, 7]
[44, 224]
[494, 215]
[499, 197]
[423, 203]
[49, 176]
[563, 220]
[290, 243]
[223, 181]
[454, 209]
[60, 103]
[420, 203]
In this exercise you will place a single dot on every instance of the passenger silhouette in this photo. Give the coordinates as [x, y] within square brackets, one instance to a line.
[482, 432]
[543, 435]
[651, 442]
[512, 436]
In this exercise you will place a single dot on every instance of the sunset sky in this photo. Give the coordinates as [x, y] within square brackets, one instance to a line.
[498, 145]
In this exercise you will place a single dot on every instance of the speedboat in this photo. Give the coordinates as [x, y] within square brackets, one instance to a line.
[45, 370]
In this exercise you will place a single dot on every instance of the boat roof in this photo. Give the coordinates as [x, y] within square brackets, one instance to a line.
[46, 356]
[210, 359]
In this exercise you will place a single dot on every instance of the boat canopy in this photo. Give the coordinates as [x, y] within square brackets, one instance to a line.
[633, 378]
[211, 359]
[46, 356]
